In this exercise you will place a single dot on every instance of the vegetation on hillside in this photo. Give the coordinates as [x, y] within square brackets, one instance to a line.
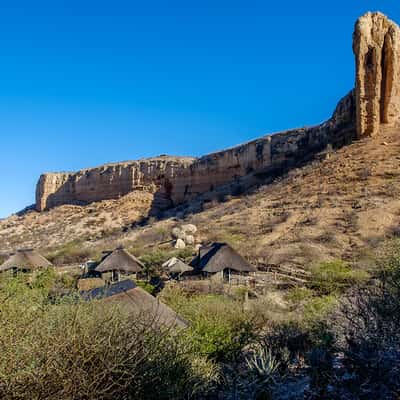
[339, 335]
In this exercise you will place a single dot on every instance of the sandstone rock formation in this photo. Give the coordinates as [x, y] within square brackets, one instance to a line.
[376, 45]
[110, 181]
[175, 180]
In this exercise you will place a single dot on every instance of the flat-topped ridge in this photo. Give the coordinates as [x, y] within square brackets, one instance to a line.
[172, 180]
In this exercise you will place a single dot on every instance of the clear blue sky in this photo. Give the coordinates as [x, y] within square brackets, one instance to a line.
[88, 82]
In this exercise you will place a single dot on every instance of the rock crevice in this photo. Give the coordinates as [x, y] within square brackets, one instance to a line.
[376, 45]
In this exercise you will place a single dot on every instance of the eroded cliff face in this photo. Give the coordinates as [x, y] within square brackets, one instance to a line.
[110, 181]
[174, 180]
[376, 45]
[251, 163]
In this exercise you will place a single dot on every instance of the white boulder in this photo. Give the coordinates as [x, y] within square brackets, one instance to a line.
[180, 244]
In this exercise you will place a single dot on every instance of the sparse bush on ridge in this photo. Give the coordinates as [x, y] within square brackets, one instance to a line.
[71, 253]
[334, 277]
[298, 295]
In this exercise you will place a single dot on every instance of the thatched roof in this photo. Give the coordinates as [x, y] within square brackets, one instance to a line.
[219, 256]
[25, 259]
[176, 266]
[120, 260]
[137, 302]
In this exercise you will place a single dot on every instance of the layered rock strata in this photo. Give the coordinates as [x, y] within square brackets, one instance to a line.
[110, 181]
[175, 180]
[376, 45]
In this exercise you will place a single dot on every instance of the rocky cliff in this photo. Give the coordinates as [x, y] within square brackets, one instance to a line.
[109, 181]
[376, 45]
[174, 180]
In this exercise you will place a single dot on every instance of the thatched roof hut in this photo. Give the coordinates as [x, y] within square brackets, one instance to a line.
[120, 260]
[27, 259]
[217, 257]
[175, 266]
[137, 302]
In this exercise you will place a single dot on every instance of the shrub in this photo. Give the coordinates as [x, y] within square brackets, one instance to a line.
[185, 254]
[153, 261]
[367, 331]
[89, 350]
[220, 328]
[298, 295]
[288, 340]
[321, 369]
[71, 253]
[262, 374]
[149, 288]
[334, 277]
[388, 263]
[316, 320]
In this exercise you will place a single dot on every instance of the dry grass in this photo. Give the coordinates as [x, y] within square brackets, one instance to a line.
[90, 283]
[326, 210]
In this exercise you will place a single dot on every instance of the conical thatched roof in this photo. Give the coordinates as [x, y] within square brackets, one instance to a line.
[176, 266]
[25, 259]
[120, 260]
[137, 302]
[219, 256]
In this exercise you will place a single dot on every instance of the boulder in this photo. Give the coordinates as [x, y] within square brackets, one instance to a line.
[180, 244]
[178, 233]
[189, 229]
[189, 239]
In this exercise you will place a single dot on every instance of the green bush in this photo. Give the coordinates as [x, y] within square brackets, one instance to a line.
[70, 349]
[388, 264]
[71, 253]
[185, 254]
[367, 330]
[154, 258]
[298, 334]
[316, 320]
[298, 295]
[149, 288]
[219, 329]
[334, 277]
[153, 261]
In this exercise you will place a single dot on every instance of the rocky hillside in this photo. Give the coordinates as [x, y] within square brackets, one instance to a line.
[284, 199]
[374, 101]
[335, 207]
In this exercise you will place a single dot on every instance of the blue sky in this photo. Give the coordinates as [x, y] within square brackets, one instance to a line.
[88, 82]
